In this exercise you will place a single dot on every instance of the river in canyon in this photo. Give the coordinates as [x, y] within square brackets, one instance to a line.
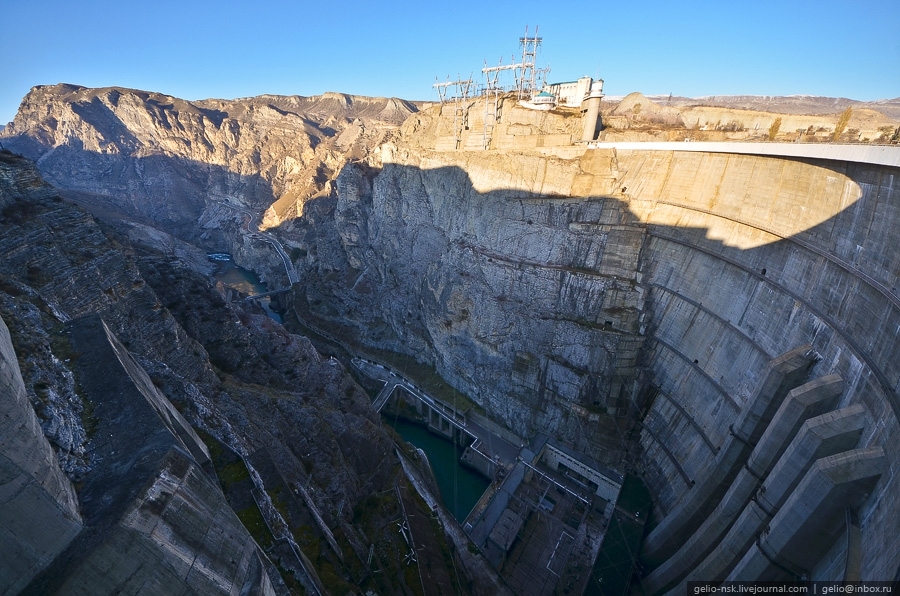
[233, 276]
[460, 486]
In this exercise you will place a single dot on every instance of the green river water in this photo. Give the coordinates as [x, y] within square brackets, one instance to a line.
[242, 280]
[460, 487]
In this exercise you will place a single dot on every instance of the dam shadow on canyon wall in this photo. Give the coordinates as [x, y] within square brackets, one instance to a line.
[637, 325]
[644, 327]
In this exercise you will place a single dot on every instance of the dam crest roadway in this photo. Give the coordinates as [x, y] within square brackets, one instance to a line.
[882, 155]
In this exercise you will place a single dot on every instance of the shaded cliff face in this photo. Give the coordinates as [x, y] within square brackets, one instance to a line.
[197, 169]
[57, 268]
[89, 320]
[527, 304]
[39, 516]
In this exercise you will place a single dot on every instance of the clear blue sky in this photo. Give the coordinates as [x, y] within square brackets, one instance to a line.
[195, 50]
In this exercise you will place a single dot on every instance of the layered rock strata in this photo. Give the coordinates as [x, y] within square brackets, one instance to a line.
[39, 513]
[107, 337]
[156, 522]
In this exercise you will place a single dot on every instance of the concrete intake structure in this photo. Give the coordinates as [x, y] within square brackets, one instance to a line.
[802, 403]
[592, 113]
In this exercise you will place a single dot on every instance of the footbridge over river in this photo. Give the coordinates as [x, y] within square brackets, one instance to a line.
[542, 520]
[444, 418]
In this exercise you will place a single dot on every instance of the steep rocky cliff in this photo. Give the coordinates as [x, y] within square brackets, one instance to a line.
[628, 301]
[57, 267]
[197, 169]
[480, 264]
[39, 515]
[107, 340]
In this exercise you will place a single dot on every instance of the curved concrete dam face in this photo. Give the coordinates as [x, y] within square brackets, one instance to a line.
[655, 310]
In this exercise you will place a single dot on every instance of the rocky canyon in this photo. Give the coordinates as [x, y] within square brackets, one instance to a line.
[717, 318]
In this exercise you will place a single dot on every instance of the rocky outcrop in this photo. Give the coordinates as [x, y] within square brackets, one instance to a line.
[155, 520]
[143, 478]
[39, 513]
[107, 340]
[199, 170]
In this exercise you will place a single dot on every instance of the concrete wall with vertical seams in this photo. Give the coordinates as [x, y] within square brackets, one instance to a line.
[747, 251]
[749, 256]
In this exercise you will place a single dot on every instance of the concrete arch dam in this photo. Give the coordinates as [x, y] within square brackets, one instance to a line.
[725, 325]
[769, 280]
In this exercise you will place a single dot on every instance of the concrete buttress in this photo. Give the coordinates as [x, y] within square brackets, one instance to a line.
[802, 403]
[822, 436]
[806, 525]
[781, 375]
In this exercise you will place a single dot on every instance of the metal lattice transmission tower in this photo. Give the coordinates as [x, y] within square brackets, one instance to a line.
[526, 81]
[459, 92]
[492, 91]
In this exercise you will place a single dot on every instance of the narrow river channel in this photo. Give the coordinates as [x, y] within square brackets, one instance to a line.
[243, 280]
[460, 487]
